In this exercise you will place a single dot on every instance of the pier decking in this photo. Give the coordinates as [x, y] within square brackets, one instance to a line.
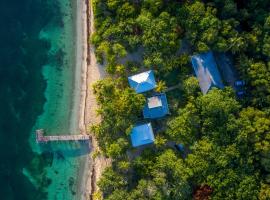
[40, 138]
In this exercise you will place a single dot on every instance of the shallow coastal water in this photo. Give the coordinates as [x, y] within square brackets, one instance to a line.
[37, 69]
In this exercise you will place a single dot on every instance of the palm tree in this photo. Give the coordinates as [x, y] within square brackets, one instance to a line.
[161, 86]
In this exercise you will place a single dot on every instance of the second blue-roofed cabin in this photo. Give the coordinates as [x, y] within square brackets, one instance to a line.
[142, 82]
[142, 135]
[206, 70]
[156, 106]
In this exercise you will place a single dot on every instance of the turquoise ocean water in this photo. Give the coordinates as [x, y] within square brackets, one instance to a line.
[38, 87]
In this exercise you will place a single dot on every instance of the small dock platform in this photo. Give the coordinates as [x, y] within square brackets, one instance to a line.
[40, 138]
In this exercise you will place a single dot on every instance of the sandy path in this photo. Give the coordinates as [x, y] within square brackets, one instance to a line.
[91, 72]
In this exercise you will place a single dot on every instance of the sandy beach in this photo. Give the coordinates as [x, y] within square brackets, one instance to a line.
[91, 72]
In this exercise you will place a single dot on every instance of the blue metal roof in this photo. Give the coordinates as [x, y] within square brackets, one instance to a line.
[206, 71]
[142, 134]
[181, 147]
[142, 82]
[156, 106]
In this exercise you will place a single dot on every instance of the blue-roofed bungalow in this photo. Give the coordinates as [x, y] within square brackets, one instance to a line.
[156, 106]
[142, 134]
[142, 82]
[206, 70]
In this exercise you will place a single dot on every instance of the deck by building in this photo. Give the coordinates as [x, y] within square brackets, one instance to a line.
[40, 138]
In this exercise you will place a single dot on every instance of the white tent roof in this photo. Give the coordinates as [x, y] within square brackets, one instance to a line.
[139, 78]
[154, 102]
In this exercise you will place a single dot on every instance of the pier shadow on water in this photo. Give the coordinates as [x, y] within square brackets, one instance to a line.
[64, 149]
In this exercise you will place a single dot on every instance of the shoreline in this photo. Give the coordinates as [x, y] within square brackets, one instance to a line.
[82, 37]
[91, 72]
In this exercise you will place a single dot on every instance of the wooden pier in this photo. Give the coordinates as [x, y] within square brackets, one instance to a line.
[40, 138]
